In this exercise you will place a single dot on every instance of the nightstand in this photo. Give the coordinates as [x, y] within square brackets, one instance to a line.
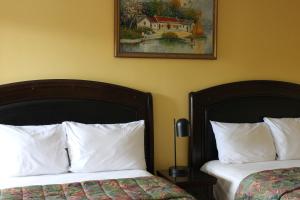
[197, 183]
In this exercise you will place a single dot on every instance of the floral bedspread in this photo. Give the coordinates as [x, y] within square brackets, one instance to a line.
[279, 184]
[117, 189]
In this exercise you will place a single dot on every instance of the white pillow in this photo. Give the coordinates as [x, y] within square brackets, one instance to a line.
[286, 134]
[105, 147]
[32, 150]
[243, 142]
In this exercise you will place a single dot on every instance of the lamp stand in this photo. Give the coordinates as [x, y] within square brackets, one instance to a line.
[177, 170]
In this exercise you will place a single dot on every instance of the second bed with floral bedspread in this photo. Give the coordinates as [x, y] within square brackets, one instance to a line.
[279, 184]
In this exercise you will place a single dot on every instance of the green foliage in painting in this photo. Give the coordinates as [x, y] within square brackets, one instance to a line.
[134, 33]
[168, 9]
[130, 33]
[145, 30]
[169, 36]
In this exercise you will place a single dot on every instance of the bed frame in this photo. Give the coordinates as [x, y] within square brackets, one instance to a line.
[44, 102]
[247, 101]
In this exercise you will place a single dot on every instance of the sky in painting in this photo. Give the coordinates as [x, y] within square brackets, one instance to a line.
[206, 7]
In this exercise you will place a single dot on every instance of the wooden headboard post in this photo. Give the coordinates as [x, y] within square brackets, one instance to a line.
[239, 102]
[43, 102]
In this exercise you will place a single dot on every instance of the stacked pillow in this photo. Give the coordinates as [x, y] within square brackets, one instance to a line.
[242, 143]
[275, 138]
[32, 150]
[286, 134]
[38, 150]
[108, 147]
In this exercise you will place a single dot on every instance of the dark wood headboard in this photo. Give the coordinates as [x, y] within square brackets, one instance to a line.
[239, 102]
[44, 102]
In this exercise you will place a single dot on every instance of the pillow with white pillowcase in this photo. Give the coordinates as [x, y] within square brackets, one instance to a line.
[243, 142]
[105, 147]
[32, 150]
[286, 134]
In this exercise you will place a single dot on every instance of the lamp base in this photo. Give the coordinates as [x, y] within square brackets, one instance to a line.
[178, 171]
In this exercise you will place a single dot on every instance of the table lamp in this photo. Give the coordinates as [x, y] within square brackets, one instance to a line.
[181, 129]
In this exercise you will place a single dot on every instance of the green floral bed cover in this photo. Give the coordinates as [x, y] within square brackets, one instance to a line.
[118, 189]
[278, 184]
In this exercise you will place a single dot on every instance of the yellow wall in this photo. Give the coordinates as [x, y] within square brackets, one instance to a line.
[39, 39]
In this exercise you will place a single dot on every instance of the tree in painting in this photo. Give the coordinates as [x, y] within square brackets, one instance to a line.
[166, 26]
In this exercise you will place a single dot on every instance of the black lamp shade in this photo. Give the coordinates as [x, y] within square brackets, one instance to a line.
[182, 128]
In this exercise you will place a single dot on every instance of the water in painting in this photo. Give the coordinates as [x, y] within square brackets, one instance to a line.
[167, 26]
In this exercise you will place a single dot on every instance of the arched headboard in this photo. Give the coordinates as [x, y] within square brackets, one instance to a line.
[43, 102]
[238, 102]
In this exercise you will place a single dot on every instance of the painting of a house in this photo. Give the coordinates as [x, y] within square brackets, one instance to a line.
[167, 27]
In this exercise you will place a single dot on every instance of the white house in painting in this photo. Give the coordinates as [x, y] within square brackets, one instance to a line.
[158, 23]
[143, 21]
[186, 3]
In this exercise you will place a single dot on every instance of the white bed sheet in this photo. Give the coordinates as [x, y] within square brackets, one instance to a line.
[230, 175]
[69, 178]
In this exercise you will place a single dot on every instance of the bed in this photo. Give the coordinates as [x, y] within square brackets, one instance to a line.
[44, 102]
[238, 102]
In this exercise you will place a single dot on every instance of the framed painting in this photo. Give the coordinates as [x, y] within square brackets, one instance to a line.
[166, 28]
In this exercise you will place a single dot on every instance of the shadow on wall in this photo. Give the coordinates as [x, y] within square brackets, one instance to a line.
[164, 138]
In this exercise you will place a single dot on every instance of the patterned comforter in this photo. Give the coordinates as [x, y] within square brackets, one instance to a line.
[119, 189]
[279, 184]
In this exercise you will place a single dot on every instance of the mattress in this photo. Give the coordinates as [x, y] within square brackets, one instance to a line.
[12, 182]
[230, 175]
